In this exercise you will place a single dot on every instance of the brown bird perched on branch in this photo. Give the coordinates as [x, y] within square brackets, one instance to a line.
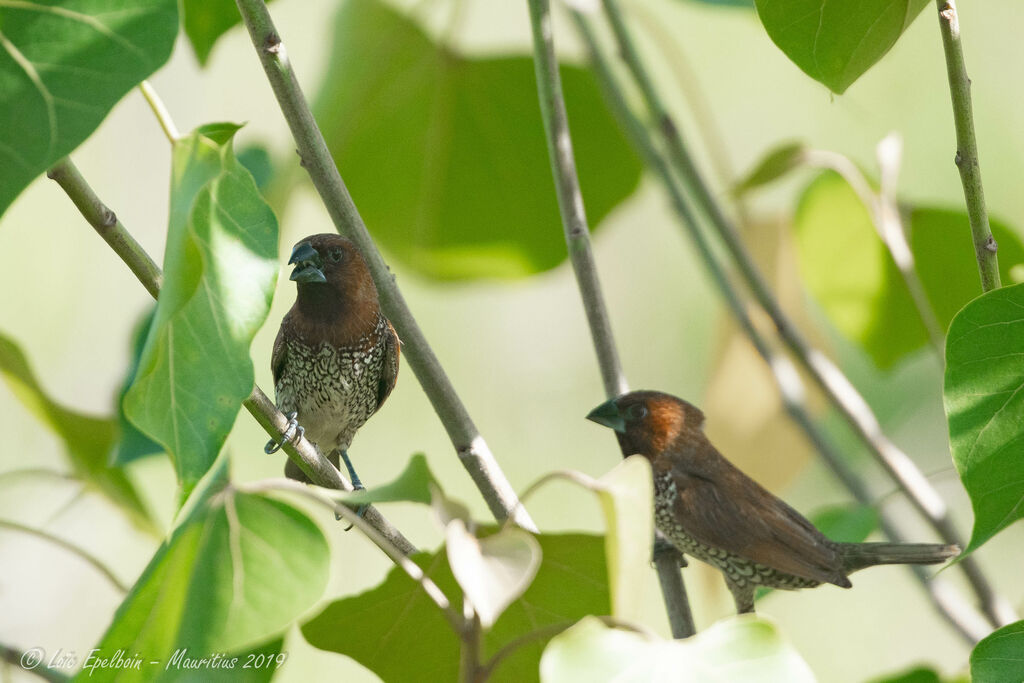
[335, 359]
[712, 511]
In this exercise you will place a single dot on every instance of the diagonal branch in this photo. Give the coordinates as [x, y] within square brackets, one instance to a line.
[577, 237]
[470, 446]
[318, 468]
[836, 386]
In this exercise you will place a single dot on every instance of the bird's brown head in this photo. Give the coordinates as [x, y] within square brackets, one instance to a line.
[330, 270]
[647, 422]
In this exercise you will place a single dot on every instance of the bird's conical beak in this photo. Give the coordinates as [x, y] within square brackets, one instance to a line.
[307, 264]
[608, 414]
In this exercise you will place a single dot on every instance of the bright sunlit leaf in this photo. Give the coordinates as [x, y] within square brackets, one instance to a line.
[984, 399]
[220, 267]
[745, 648]
[836, 42]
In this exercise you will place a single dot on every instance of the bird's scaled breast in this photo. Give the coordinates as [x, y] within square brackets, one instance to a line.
[740, 570]
[334, 390]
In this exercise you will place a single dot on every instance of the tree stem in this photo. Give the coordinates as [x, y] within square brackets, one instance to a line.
[470, 446]
[967, 146]
[163, 116]
[106, 223]
[570, 198]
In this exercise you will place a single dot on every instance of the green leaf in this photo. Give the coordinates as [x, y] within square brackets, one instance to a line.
[851, 275]
[494, 570]
[235, 573]
[773, 165]
[220, 266]
[836, 42]
[984, 398]
[998, 657]
[627, 501]
[946, 264]
[445, 155]
[207, 20]
[745, 648]
[921, 674]
[846, 523]
[415, 485]
[131, 443]
[63, 66]
[87, 440]
[256, 160]
[383, 629]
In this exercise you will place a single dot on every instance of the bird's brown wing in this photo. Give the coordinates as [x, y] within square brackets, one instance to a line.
[277, 357]
[720, 506]
[389, 371]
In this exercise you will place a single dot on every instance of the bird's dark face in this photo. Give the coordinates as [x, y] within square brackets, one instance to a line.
[330, 263]
[646, 422]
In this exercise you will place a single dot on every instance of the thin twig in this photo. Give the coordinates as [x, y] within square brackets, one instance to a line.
[160, 111]
[570, 198]
[84, 555]
[470, 446]
[668, 563]
[784, 372]
[837, 387]
[397, 555]
[318, 468]
[966, 158]
[107, 225]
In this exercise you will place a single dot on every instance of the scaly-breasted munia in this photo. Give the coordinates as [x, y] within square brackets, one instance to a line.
[712, 511]
[335, 359]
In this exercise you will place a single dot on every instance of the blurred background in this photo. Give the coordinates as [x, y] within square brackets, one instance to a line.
[517, 349]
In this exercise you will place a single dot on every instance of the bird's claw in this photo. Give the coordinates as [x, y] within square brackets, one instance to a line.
[293, 432]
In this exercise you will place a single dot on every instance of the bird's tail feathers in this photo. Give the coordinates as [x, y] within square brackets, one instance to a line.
[860, 555]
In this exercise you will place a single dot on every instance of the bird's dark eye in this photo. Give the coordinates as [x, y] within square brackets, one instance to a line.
[637, 411]
[336, 255]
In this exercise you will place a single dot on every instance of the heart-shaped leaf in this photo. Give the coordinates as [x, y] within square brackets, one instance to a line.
[445, 155]
[493, 570]
[384, 628]
[851, 275]
[744, 648]
[235, 573]
[836, 42]
[984, 398]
